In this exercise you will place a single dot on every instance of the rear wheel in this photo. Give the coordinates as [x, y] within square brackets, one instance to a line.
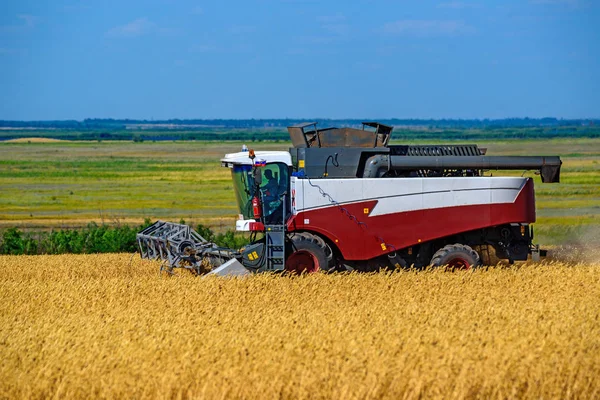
[305, 256]
[456, 257]
[488, 255]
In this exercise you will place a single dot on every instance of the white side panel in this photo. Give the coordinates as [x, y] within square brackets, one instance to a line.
[409, 194]
[243, 225]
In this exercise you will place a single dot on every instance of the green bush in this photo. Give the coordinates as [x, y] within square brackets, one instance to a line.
[96, 238]
[16, 242]
[229, 239]
[205, 232]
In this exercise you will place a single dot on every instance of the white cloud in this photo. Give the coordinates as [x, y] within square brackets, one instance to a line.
[334, 24]
[138, 27]
[297, 51]
[558, 2]
[337, 29]
[316, 39]
[29, 20]
[370, 66]
[76, 7]
[242, 29]
[458, 5]
[564, 4]
[202, 48]
[423, 27]
[26, 22]
[331, 19]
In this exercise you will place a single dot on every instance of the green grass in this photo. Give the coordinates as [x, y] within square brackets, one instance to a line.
[72, 183]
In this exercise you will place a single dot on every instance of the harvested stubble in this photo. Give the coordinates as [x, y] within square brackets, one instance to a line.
[98, 326]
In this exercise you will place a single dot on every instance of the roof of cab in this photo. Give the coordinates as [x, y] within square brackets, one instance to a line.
[242, 157]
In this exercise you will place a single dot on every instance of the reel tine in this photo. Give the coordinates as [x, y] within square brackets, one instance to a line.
[177, 245]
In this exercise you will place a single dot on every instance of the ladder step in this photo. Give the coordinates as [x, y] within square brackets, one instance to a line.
[275, 241]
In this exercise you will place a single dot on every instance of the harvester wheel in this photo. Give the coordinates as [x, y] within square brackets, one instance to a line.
[321, 243]
[305, 256]
[456, 257]
[488, 255]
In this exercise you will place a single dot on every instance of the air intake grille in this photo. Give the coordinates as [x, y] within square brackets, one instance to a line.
[444, 150]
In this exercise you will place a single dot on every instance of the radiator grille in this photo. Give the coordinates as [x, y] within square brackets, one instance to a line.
[445, 150]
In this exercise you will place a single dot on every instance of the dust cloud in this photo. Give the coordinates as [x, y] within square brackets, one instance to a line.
[583, 248]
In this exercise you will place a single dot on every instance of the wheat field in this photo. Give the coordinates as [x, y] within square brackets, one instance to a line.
[108, 326]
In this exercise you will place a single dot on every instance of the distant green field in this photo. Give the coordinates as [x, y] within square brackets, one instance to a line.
[65, 184]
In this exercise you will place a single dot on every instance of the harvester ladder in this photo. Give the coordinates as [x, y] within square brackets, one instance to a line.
[275, 235]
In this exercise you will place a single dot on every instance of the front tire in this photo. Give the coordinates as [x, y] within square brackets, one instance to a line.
[305, 256]
[456, 257]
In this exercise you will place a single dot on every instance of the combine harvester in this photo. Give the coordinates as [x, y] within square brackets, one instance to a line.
[343, 199]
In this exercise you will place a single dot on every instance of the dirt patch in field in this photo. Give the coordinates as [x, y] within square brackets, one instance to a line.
[35, 140]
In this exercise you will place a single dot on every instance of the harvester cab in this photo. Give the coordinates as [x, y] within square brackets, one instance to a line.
[261, 183]
[345, 199]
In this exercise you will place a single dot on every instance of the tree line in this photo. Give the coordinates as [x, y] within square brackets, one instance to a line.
[201, 124]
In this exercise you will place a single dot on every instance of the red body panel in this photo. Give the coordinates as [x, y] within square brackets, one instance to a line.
[362, 241]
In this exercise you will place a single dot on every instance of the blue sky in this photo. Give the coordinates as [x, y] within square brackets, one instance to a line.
[160, 59]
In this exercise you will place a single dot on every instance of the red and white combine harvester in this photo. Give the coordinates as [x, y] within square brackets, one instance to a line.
[343, 199]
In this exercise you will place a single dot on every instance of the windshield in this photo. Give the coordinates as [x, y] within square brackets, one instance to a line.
[275, 182]
[243, 185]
